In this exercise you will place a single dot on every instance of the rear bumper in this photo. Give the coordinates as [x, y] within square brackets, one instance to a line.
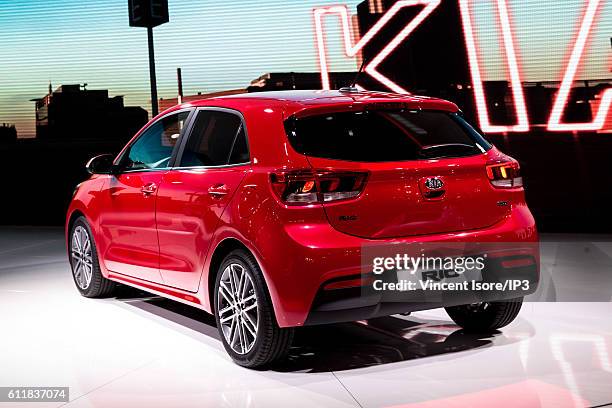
[359, 303]
[314, 255]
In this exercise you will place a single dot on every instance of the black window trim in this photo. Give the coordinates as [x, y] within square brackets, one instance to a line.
[189, 129]
[175, 149]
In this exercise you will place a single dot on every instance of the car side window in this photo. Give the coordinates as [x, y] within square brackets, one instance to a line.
[153, 149]
[217, 139]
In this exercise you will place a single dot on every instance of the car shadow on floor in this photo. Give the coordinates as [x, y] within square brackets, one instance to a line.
[336, 347]
[347, 346]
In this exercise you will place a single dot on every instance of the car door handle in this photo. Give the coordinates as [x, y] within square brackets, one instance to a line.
[218, 190]
[149, 189]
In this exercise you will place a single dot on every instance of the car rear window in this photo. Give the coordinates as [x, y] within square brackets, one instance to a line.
[385, 135]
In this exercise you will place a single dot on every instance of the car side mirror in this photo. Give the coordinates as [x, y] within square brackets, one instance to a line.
[102, 164]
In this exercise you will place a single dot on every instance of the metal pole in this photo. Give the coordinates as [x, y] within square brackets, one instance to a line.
[179, 80]
[154, 106]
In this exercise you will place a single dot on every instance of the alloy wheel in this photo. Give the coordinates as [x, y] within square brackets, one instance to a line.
[82, 260]
[237, 308]
[478, 307]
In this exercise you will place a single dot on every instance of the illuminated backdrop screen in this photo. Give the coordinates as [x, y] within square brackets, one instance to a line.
[225, 45]
[535, 75]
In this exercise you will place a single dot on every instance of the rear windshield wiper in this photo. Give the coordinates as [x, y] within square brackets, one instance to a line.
[442, 150]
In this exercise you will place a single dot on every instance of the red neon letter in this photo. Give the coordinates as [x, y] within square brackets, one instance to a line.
[515, 79]
[554, 122]
[352, 50]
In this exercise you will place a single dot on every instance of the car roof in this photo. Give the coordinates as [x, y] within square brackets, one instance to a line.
[301, 100]
[323, 97]
[319, 96]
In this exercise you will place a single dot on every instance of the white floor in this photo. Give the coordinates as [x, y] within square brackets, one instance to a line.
[141, 351]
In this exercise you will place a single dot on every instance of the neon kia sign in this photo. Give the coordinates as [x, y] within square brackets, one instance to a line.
[522, 125]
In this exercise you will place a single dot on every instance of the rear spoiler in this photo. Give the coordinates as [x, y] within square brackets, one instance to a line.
[361, 106]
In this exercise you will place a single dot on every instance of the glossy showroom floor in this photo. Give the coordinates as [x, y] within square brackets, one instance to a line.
[142, 351]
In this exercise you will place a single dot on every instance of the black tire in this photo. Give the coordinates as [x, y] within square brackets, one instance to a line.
[99, 286]
[271, 342]
[485, 317]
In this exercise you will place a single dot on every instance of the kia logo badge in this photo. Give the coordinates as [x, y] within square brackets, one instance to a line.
[434, 183]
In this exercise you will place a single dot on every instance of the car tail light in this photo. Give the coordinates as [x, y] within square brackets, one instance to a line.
[505, 175]
[307, 186]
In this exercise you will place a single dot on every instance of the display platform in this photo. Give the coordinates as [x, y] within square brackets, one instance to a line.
[139, 350]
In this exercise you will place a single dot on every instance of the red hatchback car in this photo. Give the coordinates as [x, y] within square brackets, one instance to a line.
[256, 208]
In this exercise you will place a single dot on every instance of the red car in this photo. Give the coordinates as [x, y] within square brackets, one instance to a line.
[256, 208]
